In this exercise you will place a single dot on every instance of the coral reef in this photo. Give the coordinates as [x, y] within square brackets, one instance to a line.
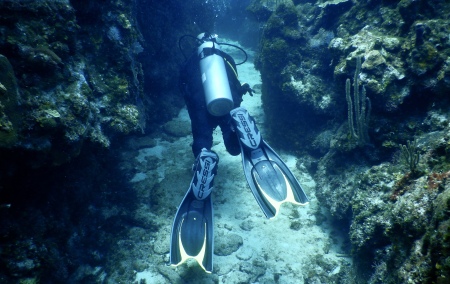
[72, 88]
[409, 155]
[361, 111]
[77, 77]
[67, 91]
[9, 104]
[389, 200]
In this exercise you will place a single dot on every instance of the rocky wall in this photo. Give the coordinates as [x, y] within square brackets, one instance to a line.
[392, 210]
[76, 78]
[68, 83]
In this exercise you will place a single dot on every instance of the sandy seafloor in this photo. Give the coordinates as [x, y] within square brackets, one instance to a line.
[294, 247]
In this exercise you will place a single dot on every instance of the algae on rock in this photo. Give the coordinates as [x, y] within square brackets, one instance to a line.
[10, 115]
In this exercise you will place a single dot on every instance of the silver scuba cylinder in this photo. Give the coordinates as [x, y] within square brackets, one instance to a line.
[219, 100]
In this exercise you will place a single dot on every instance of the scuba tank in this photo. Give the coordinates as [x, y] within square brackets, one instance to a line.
[219, 100]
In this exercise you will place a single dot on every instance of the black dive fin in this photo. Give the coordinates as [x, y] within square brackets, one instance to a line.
[271, 181]
[193, 227]
[192, 232]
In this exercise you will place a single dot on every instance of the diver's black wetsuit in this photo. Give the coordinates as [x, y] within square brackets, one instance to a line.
[202, 122]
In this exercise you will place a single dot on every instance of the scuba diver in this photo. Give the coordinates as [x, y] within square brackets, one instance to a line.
[213, 94]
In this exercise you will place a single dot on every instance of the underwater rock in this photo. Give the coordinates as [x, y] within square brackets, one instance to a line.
[170, 274]
[295, 225]
[236, 277]
[137, 143]
[382, 71]
[424, 58]
[260, 10]
[227, 244]
[241, 215]
[334, 3]
[331, 10]
[177, 128]
[373, 59]
[10, 114]
[421, 30]
[245, 253]
[247, 225]
[71, 91]
[396, 216]
[405, 71]
[86, 272]
[41, 58]
[126, 119]
[254, 270]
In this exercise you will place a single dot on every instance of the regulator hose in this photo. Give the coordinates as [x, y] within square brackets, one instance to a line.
[220, 43]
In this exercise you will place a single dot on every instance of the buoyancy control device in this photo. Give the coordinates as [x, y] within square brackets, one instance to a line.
[219, 100]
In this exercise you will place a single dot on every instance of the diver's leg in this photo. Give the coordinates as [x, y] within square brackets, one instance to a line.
[202, 136]
[230, 137]
[202, 127]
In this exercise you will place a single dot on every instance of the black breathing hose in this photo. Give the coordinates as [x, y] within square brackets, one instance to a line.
[220, 43]
[179, 44]
[241, 49]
